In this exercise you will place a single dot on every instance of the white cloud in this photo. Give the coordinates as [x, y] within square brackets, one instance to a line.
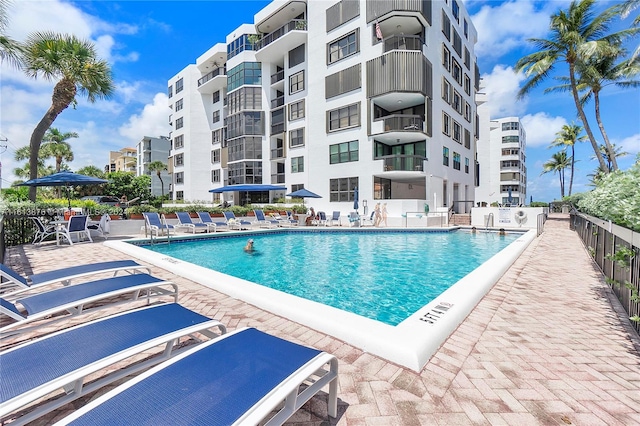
[519, 21]
[502, 86]
[152, 121]
[541, 128]
[630, 144]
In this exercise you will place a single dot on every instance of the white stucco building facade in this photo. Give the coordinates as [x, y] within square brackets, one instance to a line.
[334, 96]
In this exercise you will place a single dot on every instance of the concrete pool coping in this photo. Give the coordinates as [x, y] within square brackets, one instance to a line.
[410, 344]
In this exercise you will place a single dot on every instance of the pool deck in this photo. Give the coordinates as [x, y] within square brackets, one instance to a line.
[548, 345]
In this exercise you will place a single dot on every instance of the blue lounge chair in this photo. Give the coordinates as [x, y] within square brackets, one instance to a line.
[334, 218]
[321, 220]
[42, 230]
[262, 220]
[77, 226]
[205, 217]
[234, 223]
[284, 221]
[63, 360]
[185, 222]
[73, 299]
[157, 224]
[239, 378]
[14, 281]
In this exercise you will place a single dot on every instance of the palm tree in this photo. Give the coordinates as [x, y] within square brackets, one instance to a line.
[617, 152]
[158, 167]
[23, 153]
[598, 72]
[576, 35]
[568, 137]
[74, 63]
[626, 8]
[92, 171]
[55, 145]
[10, 50]
[557, 164]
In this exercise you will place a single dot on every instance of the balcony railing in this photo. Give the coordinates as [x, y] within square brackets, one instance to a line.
[277, 128]
[403, 122]
[277, 102]
[406, 163]
[218, 71]
[279, 76]
[402, 42]
[296, 24]
[277, 153]
[277, 178]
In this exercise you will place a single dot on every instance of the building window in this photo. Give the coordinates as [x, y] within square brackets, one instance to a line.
[170, 91]
[217, 136]
[456, 160]
[215, 175]
[343, 47]
[456, 72]
[467, 84]
[179, 85]
[343, 152]
[296, 110]
[511, 139]
[178, 142]
[466, 165]
[342, 189]
[296, 137]
[445, 156]
[457, 102]
[446, 90]
[179, 123]
[179, 177]
[216, 116]
[344, 118]
[179, 195]
[216, 96]
[467, 111]
[446, 124]
[510, 125]
[467, 58]
[455, 9]
[446, 57]
[456, 132]
[246, 73]
[238, 45]
[178, 160]
[296, 187]
[245, 98]
[296, 82]
[446, 25]
[215, 156]
[466, 29]
[296, 56]
[178, 105]
[457, 43]
[297, 164]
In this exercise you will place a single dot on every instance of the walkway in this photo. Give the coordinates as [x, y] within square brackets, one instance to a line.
[544, 347]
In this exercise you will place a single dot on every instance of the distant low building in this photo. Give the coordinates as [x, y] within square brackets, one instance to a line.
[124, 160]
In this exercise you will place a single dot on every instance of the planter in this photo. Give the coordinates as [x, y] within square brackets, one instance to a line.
[136, 216]
[170, 216]
[115, 216]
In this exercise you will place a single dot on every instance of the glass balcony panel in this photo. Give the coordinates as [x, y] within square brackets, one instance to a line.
[295, 24]
[406, 163]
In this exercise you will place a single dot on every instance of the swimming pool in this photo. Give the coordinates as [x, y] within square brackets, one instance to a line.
[384, 276]
[411, 343]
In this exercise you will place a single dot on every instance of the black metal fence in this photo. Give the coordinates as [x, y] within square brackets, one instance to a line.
[615, 250]
[17, 229]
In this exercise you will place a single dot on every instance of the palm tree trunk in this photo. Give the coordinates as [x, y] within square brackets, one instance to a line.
[561, 175]
[573, 162]
[34, 146]
[611, 154]
[583, 117]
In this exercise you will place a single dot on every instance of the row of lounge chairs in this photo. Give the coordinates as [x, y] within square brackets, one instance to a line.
[197, 373]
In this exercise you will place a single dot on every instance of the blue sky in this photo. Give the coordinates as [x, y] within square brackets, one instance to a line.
[147, 42]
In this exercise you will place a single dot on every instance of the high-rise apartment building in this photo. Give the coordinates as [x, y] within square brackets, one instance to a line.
[151, 149]
[122, 161]
[334, 96]
[503, 172]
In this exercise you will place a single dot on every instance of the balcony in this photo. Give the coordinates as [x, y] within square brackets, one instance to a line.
[399, 128]
[403, 42]
[402, 165]
[277, 153]
[277, 43]
[279, 76]
[277, 102]
[277, 178]
[212, 81]
[277, 128]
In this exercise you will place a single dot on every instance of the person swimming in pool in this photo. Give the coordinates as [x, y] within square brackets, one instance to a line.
[249, 247]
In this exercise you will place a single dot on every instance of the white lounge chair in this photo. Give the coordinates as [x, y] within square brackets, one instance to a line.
[263, 221]
[42, 230]
[12, 281]
[240, 378]
[76, 226]
[60, 303]
[62, 361]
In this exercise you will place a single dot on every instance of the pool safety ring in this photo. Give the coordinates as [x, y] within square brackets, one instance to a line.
[521, 216]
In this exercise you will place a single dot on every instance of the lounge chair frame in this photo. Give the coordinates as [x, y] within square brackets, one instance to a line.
[287, 396]
[145, 288]
[185, 221]
[205, 217]
[73, 381]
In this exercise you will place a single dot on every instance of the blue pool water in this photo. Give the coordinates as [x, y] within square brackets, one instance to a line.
[385, 276]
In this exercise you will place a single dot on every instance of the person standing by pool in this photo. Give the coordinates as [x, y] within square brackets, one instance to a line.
[384, 214]
[249, 247]
[377, 215]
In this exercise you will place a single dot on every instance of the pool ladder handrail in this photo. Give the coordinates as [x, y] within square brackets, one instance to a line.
[486, 225]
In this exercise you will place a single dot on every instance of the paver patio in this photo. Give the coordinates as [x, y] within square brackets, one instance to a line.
[548, 345]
